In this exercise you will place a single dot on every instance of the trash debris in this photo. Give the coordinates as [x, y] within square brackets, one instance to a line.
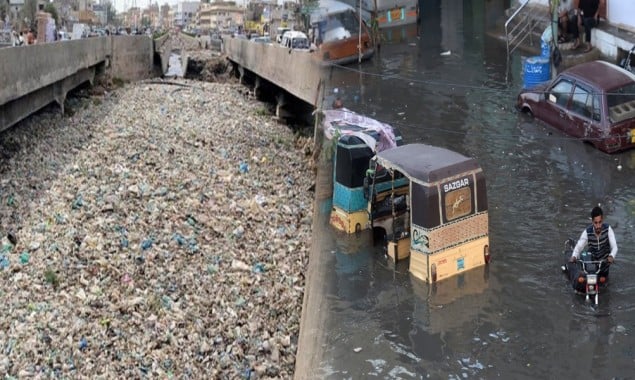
[4, 262]
[83, 344]
[243, 167]
[129, 240]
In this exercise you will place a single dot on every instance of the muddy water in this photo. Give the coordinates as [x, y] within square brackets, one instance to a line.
[446, 83]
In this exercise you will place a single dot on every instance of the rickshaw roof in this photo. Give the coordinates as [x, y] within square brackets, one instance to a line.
[426, 163]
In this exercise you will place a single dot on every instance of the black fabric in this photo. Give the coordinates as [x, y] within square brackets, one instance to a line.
[599, 247]
[557, 57]
[352, 161]
[589, 7]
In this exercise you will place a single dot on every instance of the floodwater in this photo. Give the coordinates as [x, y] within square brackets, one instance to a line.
[446, 83]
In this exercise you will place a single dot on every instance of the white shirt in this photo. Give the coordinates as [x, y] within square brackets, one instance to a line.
[582, 241]
[565, 7]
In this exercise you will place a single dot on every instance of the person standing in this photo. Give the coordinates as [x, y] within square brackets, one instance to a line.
[589, 13]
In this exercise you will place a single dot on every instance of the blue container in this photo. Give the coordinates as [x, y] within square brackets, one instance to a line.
[545, 49]
[536, 70]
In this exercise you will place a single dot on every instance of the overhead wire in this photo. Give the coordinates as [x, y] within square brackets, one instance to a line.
[473, 87]
[451, 84]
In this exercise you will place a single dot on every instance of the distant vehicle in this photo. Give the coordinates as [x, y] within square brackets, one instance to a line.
[336, 27]
[295, 40]
[593, 101]
[63, 36]
[97, 33]
[280, 33]
[79, 31]
[262, 39]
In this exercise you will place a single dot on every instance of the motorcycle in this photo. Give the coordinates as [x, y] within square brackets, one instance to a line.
[585, 274]
[625, 63]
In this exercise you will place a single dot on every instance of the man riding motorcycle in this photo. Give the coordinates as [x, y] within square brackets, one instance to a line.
[599, 238]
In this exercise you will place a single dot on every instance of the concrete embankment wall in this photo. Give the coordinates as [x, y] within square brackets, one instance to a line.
[163, 47]
[132, 57]
[297, 72]
[25, 69]
[34, 76]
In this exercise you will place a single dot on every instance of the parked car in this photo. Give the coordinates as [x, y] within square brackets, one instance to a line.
[295, 40]
[280, 32]
[593, 101]
[262, 40]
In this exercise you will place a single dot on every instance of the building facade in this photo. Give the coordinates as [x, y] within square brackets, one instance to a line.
[220, 15]
[184, 13]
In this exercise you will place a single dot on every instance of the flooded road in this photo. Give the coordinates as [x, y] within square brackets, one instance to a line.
[445, 83]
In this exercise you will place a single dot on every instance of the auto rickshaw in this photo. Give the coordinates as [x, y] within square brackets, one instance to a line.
[439, 217]
[358, 139]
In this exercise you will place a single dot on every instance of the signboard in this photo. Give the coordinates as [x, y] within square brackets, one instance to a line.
[457, 198]
[420, 239]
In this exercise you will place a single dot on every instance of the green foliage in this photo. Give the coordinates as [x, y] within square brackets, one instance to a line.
[50, 8]
[28, 11]
[4, 9]
[111, 12]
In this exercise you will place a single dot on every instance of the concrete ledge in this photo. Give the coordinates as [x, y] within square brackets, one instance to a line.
[29, 68]
[18, 109]
[315, 306]
[163, 48]
[297, 72]
[36, 75]
[132, 57]
[609, 40]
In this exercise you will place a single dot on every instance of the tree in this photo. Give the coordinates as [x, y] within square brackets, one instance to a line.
[111, 12]
[29, 11]
[4, 9]
[50, 8]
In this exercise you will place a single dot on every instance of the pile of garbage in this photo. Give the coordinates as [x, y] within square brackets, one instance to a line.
[162, 230]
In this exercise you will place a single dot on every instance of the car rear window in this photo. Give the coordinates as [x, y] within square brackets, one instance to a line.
[621, 103]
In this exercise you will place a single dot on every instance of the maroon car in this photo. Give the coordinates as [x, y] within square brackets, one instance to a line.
[593, 101]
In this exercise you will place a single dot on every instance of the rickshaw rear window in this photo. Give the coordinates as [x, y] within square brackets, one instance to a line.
[458, 203]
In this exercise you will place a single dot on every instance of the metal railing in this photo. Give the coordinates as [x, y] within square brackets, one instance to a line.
[518, 27]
